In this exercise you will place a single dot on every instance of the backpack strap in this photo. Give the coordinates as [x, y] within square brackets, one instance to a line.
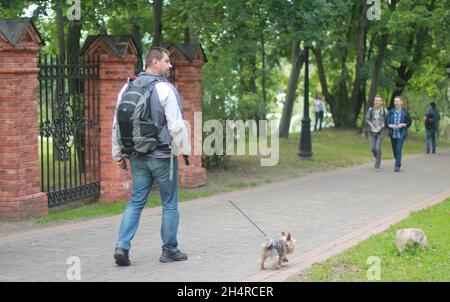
[408, 119]
[149, 86]
[152, 82]
[383, 111]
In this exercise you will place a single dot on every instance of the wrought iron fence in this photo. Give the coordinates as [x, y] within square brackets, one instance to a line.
[69, 128]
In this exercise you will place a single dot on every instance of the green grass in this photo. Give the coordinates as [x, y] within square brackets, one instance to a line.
[332, 148]
[431, 264]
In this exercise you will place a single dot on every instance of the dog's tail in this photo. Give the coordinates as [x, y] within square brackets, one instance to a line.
[269, 243]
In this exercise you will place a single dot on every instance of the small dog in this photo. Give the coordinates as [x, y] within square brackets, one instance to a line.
[277, 250]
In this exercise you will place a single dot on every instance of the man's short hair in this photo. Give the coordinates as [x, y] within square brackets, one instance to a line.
[378, 97]
[155, 52]
[433, 104]
[398, 97]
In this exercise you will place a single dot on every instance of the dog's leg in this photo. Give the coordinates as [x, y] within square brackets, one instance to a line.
[263, 259]
[276, 263]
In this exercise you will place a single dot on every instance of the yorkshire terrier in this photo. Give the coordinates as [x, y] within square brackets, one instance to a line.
[277, 250]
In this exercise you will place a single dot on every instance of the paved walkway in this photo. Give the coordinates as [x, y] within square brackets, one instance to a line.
[221, 244]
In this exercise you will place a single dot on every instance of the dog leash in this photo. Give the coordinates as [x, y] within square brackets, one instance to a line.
[248, 218]
[230, 201]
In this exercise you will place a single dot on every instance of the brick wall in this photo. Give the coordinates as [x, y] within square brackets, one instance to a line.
[20, 194]
[114, 71]
[188, 83]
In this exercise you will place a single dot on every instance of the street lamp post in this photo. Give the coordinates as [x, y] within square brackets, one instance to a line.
[305, 148]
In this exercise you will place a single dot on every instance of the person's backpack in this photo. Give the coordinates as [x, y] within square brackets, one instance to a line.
[408, 119]
[429, 121]
[383, 112]
[138, 132]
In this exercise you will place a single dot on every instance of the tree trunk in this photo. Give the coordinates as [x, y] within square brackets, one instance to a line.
[60, 29]
[73, 41]
[187, 35]
[73, 51]
[362, 101]
[378, 65]
[136, 34]
[323, 83]
[406, 69]
[190, 32]
[377, 69]
[263, 71]
[60, 89]
[252, 78]
[342, 101]
[157, 15]
[76, 87]
[352, 112]
[375, 79]
[298, 58]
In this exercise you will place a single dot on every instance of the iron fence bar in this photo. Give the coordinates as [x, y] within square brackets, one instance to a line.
[89, 123]
[50, 68]
[41, 126]
[46, 123]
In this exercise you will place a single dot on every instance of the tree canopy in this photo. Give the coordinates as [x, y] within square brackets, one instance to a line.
[251, 44]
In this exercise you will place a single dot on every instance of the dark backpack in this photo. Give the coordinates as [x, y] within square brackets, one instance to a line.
[138, 131]
[429, 121]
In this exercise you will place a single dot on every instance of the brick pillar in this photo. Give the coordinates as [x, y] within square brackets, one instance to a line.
[20, 193]
[188, 60]
[117, 57]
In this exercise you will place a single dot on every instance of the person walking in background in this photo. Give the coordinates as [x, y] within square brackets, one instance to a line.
[320, 109]
[431, 120]
[398, 121]
[375, 119]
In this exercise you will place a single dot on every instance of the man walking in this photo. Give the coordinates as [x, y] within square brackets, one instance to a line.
[375, 118]
[398, 121]
[157, 165]
[431, 120]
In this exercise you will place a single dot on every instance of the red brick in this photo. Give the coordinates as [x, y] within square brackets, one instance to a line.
[20, 195]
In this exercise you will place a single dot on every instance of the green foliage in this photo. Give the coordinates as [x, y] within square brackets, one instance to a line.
[238, 35]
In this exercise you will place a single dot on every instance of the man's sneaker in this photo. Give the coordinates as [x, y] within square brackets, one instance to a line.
[397, 169]
[121, 257]
[170, 257]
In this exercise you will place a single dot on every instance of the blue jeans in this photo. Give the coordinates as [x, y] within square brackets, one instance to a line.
[319, 120]
[397, 145]
[431, 139]
[144, 171]
[376, 140]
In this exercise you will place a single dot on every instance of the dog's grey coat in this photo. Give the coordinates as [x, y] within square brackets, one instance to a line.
[278, 246]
